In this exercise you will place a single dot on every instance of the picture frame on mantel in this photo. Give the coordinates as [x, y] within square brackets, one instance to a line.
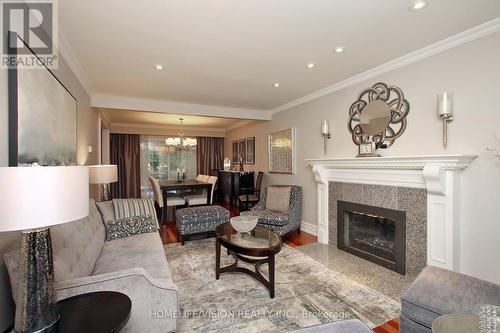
[281, 149]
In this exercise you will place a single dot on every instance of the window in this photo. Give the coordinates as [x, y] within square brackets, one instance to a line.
[160, 158]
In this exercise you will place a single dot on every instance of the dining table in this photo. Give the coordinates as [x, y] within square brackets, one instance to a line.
[183, 186]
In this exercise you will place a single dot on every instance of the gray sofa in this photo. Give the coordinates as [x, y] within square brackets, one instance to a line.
[438, 291]
[134, 265]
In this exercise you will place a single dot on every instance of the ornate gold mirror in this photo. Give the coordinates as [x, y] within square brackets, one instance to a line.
[377, 118]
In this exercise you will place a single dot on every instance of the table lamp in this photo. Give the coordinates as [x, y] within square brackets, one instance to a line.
[103, 175]
[31, 200]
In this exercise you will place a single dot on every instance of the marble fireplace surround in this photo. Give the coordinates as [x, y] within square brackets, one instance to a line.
[438, 175]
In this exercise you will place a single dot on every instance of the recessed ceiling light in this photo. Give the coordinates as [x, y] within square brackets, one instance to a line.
[159, 67]
[311, 65]
[276, 85]
[418, 4]
[339, 49]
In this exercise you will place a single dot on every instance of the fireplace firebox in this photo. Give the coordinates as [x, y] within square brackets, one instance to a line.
[374, 233]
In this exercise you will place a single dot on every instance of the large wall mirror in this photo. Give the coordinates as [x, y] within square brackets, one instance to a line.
[377, 118]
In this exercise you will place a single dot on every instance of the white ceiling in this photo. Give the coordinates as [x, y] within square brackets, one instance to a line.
[229, 53]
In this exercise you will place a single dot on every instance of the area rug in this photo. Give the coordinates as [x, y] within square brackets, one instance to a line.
[307, 293]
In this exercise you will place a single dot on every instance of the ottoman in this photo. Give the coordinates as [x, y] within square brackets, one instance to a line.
[438, 291]
[199, 221]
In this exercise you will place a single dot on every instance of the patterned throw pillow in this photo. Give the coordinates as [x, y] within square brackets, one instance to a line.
[134, 207]
[129, 226]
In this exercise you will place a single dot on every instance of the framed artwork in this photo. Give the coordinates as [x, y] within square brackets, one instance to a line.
[42, 117]
[281, 147]
[234, 157]
[242, 150]
[250, 150]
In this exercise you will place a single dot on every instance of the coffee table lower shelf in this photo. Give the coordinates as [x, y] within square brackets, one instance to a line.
[233, 268]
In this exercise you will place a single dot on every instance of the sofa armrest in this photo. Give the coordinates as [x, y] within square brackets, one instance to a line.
[155, 302]
[441, 291]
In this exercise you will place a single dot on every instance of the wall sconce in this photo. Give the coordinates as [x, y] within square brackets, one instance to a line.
[90, 149]
[325, 131]
[445, 110]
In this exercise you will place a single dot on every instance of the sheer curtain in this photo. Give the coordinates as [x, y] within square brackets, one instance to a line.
[162, 161]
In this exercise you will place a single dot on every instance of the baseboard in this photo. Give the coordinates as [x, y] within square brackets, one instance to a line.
[309, 228]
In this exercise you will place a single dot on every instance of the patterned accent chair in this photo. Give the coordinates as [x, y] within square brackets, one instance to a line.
[282, 223]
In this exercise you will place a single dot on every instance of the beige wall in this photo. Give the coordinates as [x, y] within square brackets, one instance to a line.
[472, 72]
[87, 135]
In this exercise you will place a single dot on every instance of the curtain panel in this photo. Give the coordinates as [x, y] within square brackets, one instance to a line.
[125, 152]
[209, 155]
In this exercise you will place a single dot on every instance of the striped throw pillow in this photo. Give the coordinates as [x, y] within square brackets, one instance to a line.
[124, 208]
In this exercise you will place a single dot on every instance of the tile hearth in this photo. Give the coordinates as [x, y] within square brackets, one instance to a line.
[364, 272]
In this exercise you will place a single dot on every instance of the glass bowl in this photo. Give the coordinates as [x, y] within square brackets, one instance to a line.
[244, 223]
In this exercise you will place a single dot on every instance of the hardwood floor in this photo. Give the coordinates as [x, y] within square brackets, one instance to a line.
[168, 233]
[389, 327]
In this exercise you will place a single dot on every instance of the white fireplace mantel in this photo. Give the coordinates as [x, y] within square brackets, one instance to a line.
[439, 175]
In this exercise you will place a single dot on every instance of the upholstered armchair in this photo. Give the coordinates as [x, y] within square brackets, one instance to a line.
[281, 221]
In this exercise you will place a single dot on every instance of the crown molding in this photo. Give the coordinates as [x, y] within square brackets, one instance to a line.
[69, 56]
[104, 119]
[444, 45]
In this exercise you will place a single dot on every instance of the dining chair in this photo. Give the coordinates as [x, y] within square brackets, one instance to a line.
[172, 200]
[251, 196]
[201, 199]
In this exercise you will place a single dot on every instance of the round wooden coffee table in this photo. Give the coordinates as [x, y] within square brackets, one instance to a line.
[257, 247]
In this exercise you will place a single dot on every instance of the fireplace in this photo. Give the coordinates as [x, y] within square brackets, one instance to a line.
[374, 233]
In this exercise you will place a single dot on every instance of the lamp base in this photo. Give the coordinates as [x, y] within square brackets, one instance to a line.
[35, 305]
[106, 192]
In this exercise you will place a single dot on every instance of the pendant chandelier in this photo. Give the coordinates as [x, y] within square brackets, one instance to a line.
[180, 143]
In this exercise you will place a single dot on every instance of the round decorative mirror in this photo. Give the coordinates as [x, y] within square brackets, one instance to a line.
[375, 117]
[378, 117]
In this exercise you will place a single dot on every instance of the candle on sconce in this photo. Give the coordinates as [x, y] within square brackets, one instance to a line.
[325, 131]
[445, 111]
[178, 170]
[445, 105]
[183, 170]
[324, 128]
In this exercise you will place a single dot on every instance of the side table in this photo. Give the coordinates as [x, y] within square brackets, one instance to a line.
[456, 323]
[97, 312]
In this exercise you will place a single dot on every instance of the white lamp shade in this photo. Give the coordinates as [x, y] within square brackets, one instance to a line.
[38, 197]
[103, 174]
